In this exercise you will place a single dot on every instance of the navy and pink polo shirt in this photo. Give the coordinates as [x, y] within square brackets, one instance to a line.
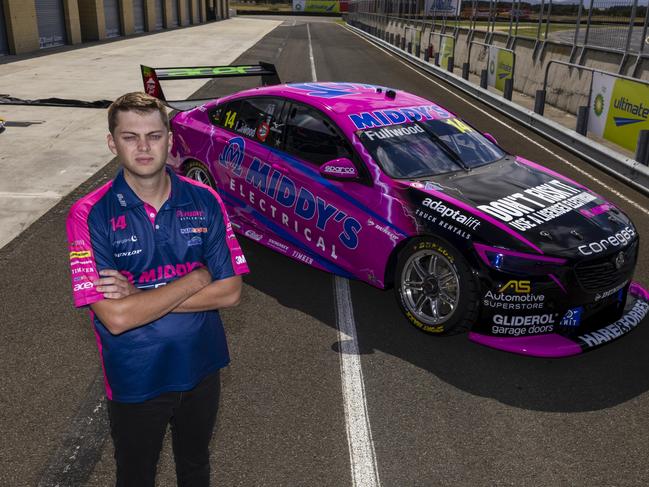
[111, 228]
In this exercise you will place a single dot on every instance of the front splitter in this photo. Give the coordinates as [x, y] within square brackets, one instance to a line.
[556, 346]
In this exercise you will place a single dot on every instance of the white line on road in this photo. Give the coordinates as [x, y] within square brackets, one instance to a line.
[636, 205]
[313, 76]
[359, 433]
[362, 457]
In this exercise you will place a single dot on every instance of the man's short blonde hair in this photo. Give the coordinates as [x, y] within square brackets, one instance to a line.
[137, 101]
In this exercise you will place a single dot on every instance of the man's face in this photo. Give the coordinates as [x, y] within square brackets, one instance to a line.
[141, 142]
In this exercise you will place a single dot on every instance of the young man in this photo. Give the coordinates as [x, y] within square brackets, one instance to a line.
[154, 256]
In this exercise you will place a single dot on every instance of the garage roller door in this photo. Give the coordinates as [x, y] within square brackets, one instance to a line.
[51, 23]
[138, 15]
[159, 15]
[111, 12]
[4, 47]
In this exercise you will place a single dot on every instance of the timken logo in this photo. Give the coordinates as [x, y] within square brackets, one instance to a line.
[455, 215]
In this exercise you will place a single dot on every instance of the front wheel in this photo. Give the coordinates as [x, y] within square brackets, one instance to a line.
[435, 287]
[198, 172]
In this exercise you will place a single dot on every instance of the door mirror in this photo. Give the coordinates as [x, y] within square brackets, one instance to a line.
[341, 168]
[490, 137]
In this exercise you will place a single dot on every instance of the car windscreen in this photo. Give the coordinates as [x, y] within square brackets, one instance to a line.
[422, 149]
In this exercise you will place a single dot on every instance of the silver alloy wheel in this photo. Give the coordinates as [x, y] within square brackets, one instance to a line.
[430, 287]
[198, 173]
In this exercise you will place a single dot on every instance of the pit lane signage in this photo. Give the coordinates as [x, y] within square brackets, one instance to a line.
[619, 109]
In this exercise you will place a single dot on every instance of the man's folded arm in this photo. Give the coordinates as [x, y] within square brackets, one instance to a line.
[223, 293]
[140, 308]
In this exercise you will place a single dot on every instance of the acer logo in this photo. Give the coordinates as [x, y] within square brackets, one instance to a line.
[82, 286]
[520, 287]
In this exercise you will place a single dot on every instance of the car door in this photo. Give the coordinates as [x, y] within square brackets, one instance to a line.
[328, 219]
[239, 147]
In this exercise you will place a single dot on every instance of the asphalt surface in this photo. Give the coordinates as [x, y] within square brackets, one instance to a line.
[443, 412]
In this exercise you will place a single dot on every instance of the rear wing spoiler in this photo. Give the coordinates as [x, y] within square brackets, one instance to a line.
[151, 78]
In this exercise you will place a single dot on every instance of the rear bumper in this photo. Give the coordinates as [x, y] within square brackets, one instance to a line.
[555, 345]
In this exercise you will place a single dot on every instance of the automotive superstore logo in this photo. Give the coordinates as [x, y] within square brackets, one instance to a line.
[232, 155]
[639, 111]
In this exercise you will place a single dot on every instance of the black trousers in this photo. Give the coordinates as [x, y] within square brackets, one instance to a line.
[138, 430]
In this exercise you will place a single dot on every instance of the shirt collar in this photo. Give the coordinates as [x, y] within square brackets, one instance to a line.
[127, 198]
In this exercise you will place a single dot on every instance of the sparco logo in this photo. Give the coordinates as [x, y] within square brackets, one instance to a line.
[339, 170]
[447, 212]
[621, 238]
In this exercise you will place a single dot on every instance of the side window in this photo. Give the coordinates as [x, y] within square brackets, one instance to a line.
[225, 115]
[312, 137]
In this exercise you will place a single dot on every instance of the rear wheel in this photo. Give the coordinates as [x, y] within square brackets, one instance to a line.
[199, 172]
[435, 287]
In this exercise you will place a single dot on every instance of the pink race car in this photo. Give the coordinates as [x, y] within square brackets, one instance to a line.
[392, 189]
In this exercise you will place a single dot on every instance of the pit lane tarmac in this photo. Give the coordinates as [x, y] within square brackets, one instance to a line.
[442, 411]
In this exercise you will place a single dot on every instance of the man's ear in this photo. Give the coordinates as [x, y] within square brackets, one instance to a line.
[111, 143]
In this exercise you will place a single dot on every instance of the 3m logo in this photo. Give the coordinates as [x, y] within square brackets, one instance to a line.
[519, 287]
[240, 259]
[79, 255]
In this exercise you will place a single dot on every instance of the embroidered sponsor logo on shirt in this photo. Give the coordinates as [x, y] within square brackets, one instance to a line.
[194, 241]
[190, 215]
[185, 231]
[128, 253]
[132, 238]
[80, 254]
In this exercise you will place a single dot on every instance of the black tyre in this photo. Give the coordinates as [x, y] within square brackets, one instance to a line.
[435, 287]
[199, 172]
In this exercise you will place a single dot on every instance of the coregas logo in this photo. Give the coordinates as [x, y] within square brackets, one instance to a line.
[621, 238]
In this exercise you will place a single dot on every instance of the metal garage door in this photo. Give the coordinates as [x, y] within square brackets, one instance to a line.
[159, 15]
[138, 15]
[4, 46]
[111, 12]
[174, 13]
[51, 23]
[187, 12]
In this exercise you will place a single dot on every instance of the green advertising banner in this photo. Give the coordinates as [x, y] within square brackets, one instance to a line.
[619, 109]
[446, 50]
[316, 6]
[501, 67]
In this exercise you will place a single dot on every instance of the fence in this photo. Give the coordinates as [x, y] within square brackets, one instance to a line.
[619, 26]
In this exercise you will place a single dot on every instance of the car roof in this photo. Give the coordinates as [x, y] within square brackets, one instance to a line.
[340, 100]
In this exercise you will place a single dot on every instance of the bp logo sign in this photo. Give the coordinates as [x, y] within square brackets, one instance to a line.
[492, 66]
[598, 107]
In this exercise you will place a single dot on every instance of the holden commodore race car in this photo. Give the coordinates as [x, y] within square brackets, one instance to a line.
[392, 189]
